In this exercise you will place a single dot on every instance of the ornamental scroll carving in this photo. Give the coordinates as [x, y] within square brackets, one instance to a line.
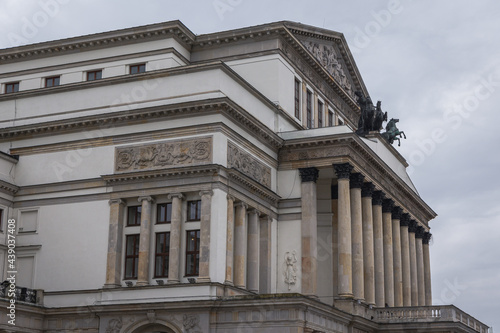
[247, 164]
[164, 155]
[328, 58]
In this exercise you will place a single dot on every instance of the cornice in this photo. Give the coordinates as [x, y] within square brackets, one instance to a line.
[253, 186]
[8, 187]
[94, 41]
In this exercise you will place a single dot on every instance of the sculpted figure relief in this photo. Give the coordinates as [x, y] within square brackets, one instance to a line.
[247, 164]
[290, 268]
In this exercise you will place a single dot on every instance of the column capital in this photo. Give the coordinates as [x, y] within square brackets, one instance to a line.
[254, 211]
[343, 170]
[397, 212]
[117, 201]
[387, 205]
[356, 180]
[427, 237]
[377, 198]
[420, 232]
[335, 192]
[175, 195]
[241, 204]
[405, 220]
[230, 197]
[412, 226]
[309, 174]
[146, 197]
[367, 190]
[206, 192]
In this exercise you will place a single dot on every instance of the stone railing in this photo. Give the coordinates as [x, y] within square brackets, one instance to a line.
[438, 313]
[21, 294]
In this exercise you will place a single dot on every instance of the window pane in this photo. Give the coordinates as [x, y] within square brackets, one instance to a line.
[190, 264]
[98, 75]
[134, 215]
[164, 213]
[159, 267]
[129, 273]
[191, 245]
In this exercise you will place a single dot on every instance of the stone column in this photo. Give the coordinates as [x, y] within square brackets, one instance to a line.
[419, 235]
[358, 286]
[309, 231]
[253, 251]
[378, 248]
[229, 240]
[427, 268]
[206, 213]
[343, 172]
[388, 255]
[175, 238]
[240, 244]
[265, 255]
[412, 228]
[115, 236]
[335, 239]
[405, 259]
[368, 253]
[396, 252]
[144, 241]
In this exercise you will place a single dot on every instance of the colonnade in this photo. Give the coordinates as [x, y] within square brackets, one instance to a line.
[381, 255]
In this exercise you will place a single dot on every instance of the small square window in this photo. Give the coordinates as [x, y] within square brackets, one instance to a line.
[11, 87]
[52, 81]
[134, 216]
[164, 213]
[139, 68]
[94, 75]
[194, 210]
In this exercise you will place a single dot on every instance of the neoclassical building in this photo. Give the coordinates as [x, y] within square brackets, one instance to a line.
[154, 180]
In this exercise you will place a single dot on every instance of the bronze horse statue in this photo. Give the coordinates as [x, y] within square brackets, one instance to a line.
[392, 132]
[371, 117]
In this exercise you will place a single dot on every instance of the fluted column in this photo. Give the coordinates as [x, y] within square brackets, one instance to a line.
[206, 212]
[253, 251]
[427, 268]
[358, 286]
[419, 235]
[388, 255]
[265, 255]
[412, 228]
[405, 259]
[378, 247]
[368, 251]
[309, 230]
[144, 241]
[343, 172]
[229, 240]
[114, 259]
[396, 252]
[240, 244]
[175, 238]
[335, 239]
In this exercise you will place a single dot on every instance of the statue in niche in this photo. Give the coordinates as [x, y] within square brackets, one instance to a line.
[392, 132]
[371, 117]
[290, 268]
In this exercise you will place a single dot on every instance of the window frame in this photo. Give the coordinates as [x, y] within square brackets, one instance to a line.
[321, 107]
[137, 216]
[56, 77]
[134, 256]
[95, 72]
[1, 219]
[138, 66]
[195, 253]
[198, 211]
[297, 98]
[309, 106]
[331, 118]
[15, 87]
[158, 207]
[162, 255]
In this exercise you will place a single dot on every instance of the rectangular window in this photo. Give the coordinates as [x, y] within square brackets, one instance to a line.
[320, 114]
[297, 99]
[52, 81]
[28, 221]
[192, 252]
[330, 118]
[1, 219]
[134, 216]
[131, 256]
[164, 213]
[161, 254]
[11, 87]
[309, 109]
[194, 210]
[139, 68]
[94, 75]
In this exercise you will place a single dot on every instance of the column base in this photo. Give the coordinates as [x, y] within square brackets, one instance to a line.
[203, 279]
[111, 285]
[142, 283]
[229, 283]
[173, 281]
[346, 296]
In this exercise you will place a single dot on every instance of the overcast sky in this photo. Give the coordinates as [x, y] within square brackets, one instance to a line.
[435, 65]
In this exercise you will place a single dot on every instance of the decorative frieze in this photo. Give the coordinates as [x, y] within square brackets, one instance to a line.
[248, 165]
[164, 155]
